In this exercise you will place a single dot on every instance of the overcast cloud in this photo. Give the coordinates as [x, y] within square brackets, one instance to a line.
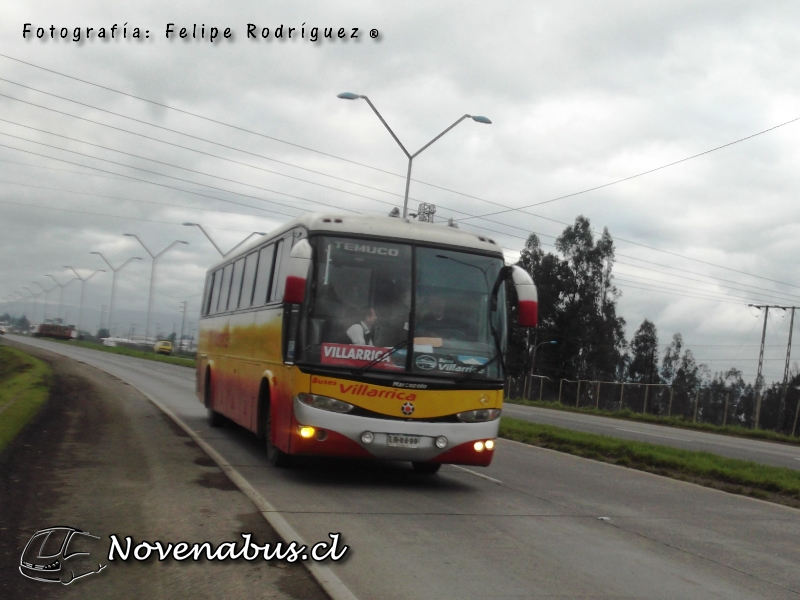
[580, 94]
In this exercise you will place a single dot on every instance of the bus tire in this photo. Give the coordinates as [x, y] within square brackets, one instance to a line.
[426, 468]
[214, 418]
[275, 455]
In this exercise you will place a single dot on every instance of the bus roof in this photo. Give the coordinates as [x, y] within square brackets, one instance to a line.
[404, 230]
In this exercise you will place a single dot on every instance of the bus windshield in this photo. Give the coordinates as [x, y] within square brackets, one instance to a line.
[366, 311]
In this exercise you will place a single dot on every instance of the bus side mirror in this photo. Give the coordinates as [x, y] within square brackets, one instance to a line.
[299, 262]
[527, 298]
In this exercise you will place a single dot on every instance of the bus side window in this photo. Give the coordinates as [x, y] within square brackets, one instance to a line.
[207, 294]
[278, 279]
[263, 275]
[248, 280]
[236, 284]
[225, 290]
[212, 307]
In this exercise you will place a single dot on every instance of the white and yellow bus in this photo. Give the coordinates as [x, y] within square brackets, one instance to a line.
[357, 336]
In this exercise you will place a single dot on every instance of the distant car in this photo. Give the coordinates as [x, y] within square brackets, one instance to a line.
[2, 330]
[163, 347]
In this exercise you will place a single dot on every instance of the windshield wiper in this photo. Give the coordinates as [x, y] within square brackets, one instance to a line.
[375, 361]
[466, 376]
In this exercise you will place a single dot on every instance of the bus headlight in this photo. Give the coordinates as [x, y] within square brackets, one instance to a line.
[479, 416]
[441, 442]
[325, 403]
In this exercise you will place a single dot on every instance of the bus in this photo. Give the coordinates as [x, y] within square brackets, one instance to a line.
[362, 336]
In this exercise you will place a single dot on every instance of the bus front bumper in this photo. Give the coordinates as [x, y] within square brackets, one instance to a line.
[411, 440]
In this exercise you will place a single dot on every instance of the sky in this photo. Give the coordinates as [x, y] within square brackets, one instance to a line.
[102, 137]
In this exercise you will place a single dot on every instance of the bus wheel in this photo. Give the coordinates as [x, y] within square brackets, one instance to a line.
[275, 455]
[426, 467]
[214, 418]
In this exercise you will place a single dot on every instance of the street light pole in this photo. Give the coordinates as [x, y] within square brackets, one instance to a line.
[33, 296]
[533, 360]
[476, 118]
[213, 243]
[152, 276]
[60, 295]
[25, 300]
[83, 289]
[44, 304]
[113, 285]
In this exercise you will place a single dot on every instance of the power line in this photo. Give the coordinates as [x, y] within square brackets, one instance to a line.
[97, 214]
[509, 209]
[138, 201]
[148, 182]
[641, 174]
[691, 287]
[697, 291]
[181, 179]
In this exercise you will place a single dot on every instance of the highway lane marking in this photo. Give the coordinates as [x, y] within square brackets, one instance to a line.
[481, 475]
[669, 437]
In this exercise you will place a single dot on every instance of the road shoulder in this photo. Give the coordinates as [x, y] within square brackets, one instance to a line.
[101, 458]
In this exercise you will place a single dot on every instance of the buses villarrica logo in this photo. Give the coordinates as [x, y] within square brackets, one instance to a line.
[407, 408]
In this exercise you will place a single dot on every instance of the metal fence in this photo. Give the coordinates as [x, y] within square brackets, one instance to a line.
[712, 405]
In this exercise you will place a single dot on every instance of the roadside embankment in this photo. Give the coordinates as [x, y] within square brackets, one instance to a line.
[24, 388]
[676, 422]
[775, 484]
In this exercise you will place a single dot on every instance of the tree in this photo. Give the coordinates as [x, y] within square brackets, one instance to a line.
[672, 357]
[643, 366]
[577, 306]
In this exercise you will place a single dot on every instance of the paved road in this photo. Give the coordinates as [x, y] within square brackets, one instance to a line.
[536, 524]
[767, 453]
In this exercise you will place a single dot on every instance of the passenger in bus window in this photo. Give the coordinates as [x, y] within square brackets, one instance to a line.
[438, 320]
[362, 333]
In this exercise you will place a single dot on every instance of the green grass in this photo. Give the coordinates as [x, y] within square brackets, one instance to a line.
[679, 422]
[24, 388]
[738, 476]
[145, 354]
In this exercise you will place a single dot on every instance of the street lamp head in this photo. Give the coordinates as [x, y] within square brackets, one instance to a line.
[479, 119]
[182, 242]
[129, 234]
[553, 342]
[348, 96]
[190, 224]
[260, 232]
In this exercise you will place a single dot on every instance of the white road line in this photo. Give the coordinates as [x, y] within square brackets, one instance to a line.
[324, 575]
[481, 475]
[669, 437]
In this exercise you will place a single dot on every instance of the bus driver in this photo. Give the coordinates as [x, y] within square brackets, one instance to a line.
[361, 333]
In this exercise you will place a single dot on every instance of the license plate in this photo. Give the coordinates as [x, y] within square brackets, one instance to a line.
[399, 440]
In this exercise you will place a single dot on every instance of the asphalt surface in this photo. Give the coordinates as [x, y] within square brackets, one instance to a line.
[536, 524]
[101, 458]
[767, 453]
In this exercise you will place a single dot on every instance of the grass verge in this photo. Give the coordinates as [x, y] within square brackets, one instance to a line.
[174, 360]
[775, 484]
[24, 388]
[678, 422]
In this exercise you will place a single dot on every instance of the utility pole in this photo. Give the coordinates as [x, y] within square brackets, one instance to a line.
[183, 322]
[761, 360]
